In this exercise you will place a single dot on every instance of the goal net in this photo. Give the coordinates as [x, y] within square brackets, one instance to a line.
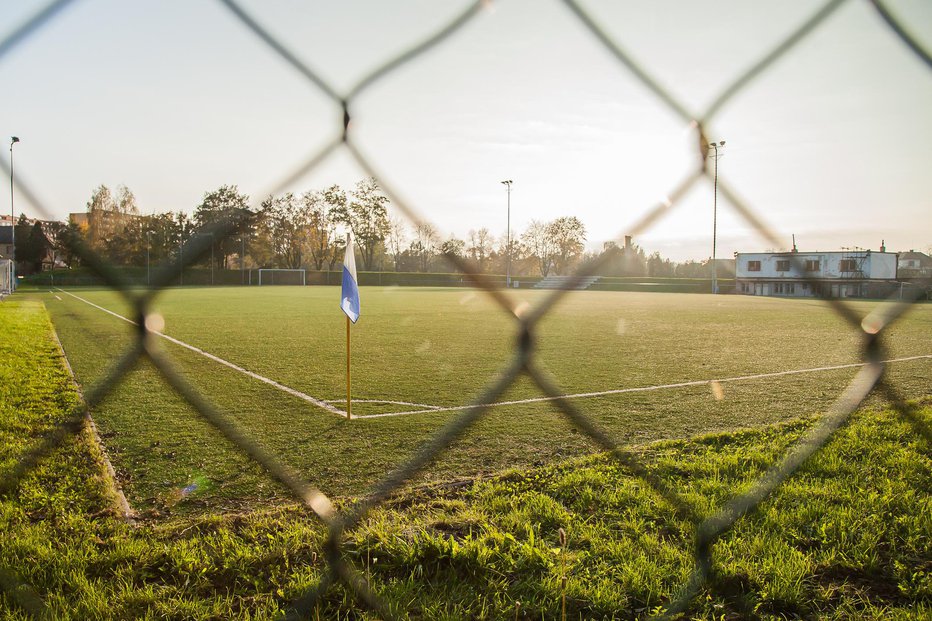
[282, 277]
[6, 276]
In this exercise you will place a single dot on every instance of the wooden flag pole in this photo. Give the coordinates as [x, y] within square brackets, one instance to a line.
[349, 403]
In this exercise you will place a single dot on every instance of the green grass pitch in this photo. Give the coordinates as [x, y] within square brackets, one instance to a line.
[418, 349]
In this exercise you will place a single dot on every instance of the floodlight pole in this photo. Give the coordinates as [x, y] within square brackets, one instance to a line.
[211, 254]
[13, 140]
[507, 183]
[211, 259]
[715, 146]
[181, 256]
[148, 271]
[242, 260]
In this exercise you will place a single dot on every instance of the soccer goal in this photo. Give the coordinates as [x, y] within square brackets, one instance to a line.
[282, 277]
[6, 276]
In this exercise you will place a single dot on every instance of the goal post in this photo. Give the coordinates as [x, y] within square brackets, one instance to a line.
[270, 276]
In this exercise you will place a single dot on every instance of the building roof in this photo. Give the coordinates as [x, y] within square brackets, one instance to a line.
[790, 253]
[6, 232]
[922, 257]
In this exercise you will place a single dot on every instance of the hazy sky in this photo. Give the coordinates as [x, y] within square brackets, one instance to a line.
[175, 97]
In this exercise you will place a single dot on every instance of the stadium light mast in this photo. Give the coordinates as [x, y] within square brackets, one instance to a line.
[211, 259]
[211, 234]
[148, 246]
[716, 156]
[507, 183]
[181, 257]
[242, 259]
[13, 140]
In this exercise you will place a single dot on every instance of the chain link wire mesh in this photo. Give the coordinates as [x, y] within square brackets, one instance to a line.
[524, 362]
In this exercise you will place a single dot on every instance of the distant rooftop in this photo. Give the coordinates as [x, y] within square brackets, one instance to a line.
[842, 251]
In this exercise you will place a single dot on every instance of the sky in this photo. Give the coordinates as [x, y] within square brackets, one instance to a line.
[174, 98]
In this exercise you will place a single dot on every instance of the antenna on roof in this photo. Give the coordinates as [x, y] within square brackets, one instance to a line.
[794, 243]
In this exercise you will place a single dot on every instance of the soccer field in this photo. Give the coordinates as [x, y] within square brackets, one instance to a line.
[638, 364]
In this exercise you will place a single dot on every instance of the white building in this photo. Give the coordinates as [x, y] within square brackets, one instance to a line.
[842, 274]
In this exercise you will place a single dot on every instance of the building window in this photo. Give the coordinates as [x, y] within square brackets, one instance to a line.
[848, 265]
[778, 287]
[753, 266]
[812, 265]
[783, 265]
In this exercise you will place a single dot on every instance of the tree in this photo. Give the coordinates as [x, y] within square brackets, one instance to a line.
[163, 232]
[321, 227]
[424, 245]
[67, 239]
[539, 244]
[366, 215]
[100, 218]
[339, 249]
[453, 247]
[480, 247]
[658, 266]
[628, 260]
[691, 269]
[182, 229]
[128, 245]
[22, 231]
[567, 238]
[226, 210]
[288, 222]
[513, 252]
[395, 241]
[261, 246]
[35, 250]
[107, 219]
[125, 202]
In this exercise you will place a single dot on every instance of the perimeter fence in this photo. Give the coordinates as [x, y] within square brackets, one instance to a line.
[524, 363]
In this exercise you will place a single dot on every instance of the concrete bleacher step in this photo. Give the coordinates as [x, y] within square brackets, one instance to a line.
[565, 282]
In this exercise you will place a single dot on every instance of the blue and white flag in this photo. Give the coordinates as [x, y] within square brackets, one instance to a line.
[350, 298]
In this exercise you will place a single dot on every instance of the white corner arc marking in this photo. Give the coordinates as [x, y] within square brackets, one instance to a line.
[291, 391]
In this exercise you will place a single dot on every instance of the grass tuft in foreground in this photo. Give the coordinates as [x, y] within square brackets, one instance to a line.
[848, 537]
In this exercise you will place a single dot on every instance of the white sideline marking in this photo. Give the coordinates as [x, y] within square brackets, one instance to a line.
[618, 391]
[270, 382]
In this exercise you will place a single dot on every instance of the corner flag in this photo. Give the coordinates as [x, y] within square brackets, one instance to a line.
[350, 296]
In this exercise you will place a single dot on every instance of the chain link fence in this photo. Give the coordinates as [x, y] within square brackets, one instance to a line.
[524, 362]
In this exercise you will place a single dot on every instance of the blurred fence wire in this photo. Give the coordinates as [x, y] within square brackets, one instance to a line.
[524, 363]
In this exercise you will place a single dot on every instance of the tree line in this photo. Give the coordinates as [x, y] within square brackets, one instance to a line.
[307, 230]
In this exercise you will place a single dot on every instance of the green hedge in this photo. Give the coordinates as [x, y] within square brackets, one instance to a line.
[200, 276]
[135, 276]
